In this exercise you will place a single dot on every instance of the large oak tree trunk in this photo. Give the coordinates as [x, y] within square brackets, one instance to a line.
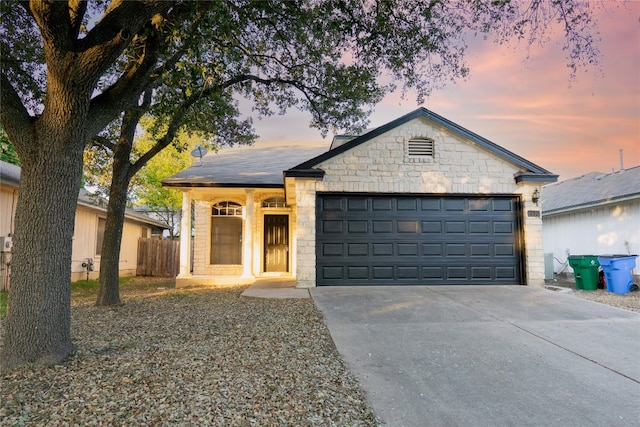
[38, 323]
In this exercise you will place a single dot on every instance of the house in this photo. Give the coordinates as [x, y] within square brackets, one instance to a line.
[594, 214]
[89, 229]
[420, 200]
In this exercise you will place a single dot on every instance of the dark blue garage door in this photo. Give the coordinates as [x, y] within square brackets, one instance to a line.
[418, 240]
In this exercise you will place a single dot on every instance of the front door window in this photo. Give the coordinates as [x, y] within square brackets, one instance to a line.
[276, 243]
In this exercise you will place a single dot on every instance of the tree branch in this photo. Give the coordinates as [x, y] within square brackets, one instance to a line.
[111, 35]
[126, 91]
[100, 140]
[15, 118]
[77, 9]
[54, 22]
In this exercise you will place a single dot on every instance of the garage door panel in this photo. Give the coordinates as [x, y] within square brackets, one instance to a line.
[357, 249]
[369, 239]
[503, 227]
[382, 249]
[332, 204]
[378, 226]
[331, 226]
[357, 226]
[332, 249]
[382, 204]
[409, 272]
[432, 249]
[357, 205]
[431, 227]
[506, 272]
[455, 227]
[407, 204]
[382, 272]
[406, 226]
[407, 249]
[434, 205]
[481, 273]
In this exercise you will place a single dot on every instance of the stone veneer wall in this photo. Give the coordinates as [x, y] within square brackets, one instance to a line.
[202, 231]
[381, 166]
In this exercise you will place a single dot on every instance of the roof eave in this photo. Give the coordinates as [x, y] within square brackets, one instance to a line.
[191, 184]
[304, 173]
[590, 205]
[545, 178]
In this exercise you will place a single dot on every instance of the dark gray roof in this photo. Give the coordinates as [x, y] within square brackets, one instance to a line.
[594, 188]
[530, 171]
[258, 165]
[9, 174]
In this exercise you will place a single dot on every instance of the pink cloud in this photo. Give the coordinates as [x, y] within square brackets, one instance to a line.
[531, 107]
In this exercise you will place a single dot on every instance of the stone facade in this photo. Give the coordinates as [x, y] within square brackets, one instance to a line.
[381, 165]
[461, 163]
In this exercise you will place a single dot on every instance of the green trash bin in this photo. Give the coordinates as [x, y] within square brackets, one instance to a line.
[585, 271]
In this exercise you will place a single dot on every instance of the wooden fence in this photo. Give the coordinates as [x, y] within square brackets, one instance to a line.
[159, 258]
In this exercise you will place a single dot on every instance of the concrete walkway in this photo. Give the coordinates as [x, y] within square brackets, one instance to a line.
[276, 287]
[487, 355]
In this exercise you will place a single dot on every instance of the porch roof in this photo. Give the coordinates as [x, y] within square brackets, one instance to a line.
[258, 165]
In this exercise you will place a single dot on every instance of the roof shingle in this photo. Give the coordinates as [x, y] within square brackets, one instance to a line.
[591, 189]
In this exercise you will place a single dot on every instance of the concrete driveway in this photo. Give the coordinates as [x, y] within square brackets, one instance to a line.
[487, 355]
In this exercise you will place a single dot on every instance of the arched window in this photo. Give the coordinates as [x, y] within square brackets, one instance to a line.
[274, 202]
[226, 233]
[226, 209]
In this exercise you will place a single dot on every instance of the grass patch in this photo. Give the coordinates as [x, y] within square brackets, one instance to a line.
[81, 287]
[4, 296]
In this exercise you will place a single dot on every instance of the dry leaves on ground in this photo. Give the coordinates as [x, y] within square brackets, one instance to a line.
[197, 357]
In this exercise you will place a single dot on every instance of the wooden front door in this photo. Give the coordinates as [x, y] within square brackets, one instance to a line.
[276, 243]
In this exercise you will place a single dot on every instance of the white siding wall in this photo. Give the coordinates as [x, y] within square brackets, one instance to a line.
[611, 229]
[84, 244]
[84, 237]
[8, 200]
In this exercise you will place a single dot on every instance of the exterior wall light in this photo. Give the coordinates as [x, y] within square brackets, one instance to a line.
[535, 197]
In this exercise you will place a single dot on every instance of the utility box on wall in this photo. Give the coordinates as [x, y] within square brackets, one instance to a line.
[6, 243]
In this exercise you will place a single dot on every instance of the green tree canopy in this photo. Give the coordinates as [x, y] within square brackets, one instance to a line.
[70, 68]
[7, 151]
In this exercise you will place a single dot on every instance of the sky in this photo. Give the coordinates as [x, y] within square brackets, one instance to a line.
[531, 106]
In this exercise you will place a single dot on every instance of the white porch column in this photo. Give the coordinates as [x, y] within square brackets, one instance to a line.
[185, 237]
[247, 237]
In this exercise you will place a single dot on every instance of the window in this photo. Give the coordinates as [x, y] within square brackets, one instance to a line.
[226, 209]
[274, 202]
[226, 234]
[420, 148]
[100, 235]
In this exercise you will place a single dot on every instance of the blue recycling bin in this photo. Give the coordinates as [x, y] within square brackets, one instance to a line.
[617, 271]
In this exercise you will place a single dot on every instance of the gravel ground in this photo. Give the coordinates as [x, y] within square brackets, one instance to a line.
[191, 357]
[199, 356]
[630, 301]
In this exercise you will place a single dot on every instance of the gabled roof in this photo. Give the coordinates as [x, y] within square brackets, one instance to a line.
[258, 165]
[530, 171]
[590, 190]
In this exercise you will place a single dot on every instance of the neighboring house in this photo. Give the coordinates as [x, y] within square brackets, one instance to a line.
[89, 228]
[595, 214]
[419, 200]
